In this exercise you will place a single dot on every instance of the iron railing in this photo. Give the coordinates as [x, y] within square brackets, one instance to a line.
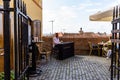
[21, 40]
[115, 58]
[21, 49]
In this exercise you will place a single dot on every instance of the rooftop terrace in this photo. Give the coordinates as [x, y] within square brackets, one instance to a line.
[75, 68]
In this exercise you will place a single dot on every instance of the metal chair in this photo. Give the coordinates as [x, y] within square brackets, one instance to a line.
[93, 48]
[105, 49]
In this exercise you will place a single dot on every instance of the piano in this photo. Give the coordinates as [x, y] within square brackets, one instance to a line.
[66, 50]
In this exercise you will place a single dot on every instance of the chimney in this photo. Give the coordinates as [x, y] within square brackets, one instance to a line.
[81, 31]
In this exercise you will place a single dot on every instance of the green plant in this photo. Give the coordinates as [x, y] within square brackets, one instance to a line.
[11, 75]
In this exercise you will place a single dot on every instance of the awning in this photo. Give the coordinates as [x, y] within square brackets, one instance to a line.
[102, 15]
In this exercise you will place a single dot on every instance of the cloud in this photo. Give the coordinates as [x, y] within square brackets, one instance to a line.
[67, 12]
[71, 16]
[92, 10]
[88, 4]
[64, 12]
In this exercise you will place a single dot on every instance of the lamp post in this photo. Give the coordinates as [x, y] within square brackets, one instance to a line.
[6, 34]
[52, 25]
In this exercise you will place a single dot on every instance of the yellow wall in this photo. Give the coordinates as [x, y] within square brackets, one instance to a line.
[34, 11]
[34, 8]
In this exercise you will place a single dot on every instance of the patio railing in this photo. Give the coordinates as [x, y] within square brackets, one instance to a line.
[115, 59]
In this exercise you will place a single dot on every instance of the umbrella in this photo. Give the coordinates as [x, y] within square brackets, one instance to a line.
[102, 15]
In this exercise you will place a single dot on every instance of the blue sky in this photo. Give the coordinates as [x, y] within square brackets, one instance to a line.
[70, 15]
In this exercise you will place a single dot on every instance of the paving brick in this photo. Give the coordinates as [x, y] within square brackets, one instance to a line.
[75, 68]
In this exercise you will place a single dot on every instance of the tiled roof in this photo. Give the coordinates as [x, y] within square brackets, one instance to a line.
[83, 35]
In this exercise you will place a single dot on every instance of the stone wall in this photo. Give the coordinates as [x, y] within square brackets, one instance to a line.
[80, 44]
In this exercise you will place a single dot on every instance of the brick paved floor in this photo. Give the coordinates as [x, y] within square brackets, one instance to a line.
[75, 68]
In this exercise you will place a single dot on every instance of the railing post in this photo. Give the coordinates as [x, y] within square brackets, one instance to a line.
[6, 33]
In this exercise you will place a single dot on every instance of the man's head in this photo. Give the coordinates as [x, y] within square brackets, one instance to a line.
[56, 34]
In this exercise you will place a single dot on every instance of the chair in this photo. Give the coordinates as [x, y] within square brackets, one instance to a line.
[93, 48]
[106, 49]
[44, 52]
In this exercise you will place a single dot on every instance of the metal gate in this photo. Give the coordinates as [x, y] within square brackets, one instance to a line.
[115, 58]
[21, 40]
[21, 50]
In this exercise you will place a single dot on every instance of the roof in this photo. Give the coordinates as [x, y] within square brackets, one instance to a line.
[84, 35]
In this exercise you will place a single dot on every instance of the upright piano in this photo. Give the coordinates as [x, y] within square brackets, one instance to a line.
[66, 49]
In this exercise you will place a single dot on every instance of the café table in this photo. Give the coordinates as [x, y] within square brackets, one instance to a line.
[33, 69]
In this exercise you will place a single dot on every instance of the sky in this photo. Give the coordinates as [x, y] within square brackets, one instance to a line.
[71, 15]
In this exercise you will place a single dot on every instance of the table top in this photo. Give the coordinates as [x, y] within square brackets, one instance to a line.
[65, 42]
[38, 41]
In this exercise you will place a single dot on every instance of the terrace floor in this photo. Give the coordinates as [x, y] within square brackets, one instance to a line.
[75, 68]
